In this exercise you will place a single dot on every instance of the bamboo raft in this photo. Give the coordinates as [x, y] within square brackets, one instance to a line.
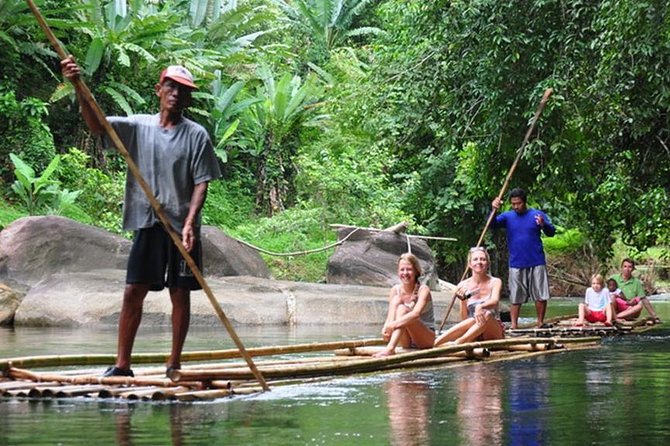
[219, 374]
[566, 326]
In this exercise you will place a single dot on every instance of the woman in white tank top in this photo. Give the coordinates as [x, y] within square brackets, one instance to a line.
[479, 295]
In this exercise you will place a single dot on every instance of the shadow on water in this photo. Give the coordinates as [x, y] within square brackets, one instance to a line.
[615, 394]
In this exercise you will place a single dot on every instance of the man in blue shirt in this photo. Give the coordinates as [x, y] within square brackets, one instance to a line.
[528, 278]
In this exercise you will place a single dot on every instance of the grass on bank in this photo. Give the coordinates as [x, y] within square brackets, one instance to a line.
[292, 231]
[9, 213]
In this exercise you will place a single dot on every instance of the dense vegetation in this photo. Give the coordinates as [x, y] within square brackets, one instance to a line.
[360, 112]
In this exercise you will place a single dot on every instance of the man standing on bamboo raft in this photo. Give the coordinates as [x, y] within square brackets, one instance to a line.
[176, 158]
[528, 278]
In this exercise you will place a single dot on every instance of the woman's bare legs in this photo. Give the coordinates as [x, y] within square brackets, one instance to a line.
[414, 332]
[455, 332]
[490, 329]
[469, 330]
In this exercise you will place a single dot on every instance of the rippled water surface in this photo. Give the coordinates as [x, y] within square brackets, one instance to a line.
[618, 394]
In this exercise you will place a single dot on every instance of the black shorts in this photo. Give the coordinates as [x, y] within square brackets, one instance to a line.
[154, 254]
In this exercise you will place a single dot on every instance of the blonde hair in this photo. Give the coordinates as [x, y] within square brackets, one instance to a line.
[411, 258]
[598, 278]
[478, 249]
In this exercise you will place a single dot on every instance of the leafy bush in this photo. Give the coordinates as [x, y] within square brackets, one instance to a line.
[350, 188]
[229, 204]
[43, 194]
[35, 192]
[23, 133]
[565, 242]
[101, 194]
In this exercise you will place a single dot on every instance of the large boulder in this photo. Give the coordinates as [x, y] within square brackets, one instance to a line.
[225, 256]
[41, 252]
[94, 298]
[371, 258]
[9, 302]
[34, 248]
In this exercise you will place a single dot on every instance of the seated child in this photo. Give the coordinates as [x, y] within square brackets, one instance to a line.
[618, 298]
[596, 306]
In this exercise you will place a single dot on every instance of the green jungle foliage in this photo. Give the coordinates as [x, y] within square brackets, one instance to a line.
[459, 81]
[43, 194]
[366, 113]
[9, 213]
[101, 192]
[23, 132]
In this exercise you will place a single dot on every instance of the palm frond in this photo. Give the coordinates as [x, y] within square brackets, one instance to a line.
[118, 99]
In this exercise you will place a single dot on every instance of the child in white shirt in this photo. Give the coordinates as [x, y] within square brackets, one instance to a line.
[596, 306]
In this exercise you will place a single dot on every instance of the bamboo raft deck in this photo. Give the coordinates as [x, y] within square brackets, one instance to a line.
[566, 326]
[220, 374]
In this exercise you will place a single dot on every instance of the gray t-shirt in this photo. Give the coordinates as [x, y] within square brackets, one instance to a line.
[172, 161]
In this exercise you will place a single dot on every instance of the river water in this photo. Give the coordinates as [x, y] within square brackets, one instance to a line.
[618, 394]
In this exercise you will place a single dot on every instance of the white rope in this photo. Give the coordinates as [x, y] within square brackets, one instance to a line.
[299, 253]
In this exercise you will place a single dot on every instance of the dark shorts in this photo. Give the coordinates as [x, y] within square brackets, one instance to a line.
[155, 260]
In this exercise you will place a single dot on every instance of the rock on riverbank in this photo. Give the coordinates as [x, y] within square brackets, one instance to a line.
[62, 273]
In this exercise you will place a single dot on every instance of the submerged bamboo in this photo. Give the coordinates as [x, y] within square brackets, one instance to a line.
[73, 391]
[16, 373]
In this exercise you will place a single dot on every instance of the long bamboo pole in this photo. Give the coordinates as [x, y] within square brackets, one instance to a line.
[90, 100]
[50, 377]
[503, 189]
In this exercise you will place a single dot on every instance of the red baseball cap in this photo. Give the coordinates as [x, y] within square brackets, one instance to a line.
[178, 74]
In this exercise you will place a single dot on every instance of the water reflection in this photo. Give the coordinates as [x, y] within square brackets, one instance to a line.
[409, 414]
[176, 425]
[480, 406]
[132, 429]
[123, 428]
[528, 396]
[616, 394]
